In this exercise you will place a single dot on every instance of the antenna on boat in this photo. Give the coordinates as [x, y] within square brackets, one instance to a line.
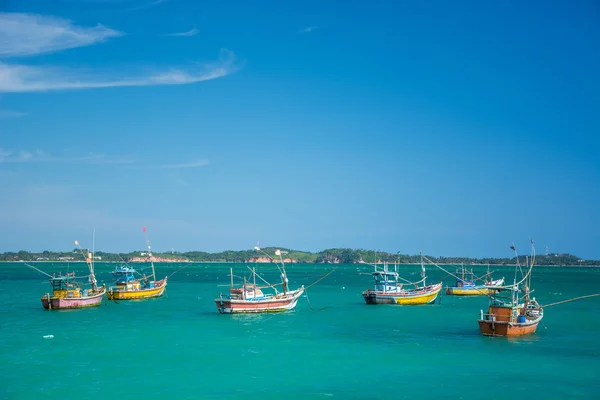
[149, 252]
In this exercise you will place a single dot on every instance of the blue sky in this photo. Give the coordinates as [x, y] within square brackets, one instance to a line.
[455, 128]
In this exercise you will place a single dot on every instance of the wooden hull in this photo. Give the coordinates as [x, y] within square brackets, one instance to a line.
[57, 303]
[274, 304]
[490, 328]
[509, 321]
[414, 297]
[157, 291]
[475, 291]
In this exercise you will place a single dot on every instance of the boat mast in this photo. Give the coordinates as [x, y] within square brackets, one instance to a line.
[149, 254]
[231, 275]
[91, 265]
[284, 279]
[423, 270]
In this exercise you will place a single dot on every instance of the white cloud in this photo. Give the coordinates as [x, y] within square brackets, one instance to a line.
[191, 164]
[308, 29]
[11, 114]
[15, 78]
[39, 156]
[29, 34]
[192, 32]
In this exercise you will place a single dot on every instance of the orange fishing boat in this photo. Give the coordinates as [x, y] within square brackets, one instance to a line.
[518, 314]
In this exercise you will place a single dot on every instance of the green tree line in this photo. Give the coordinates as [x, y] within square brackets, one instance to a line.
[334, 256]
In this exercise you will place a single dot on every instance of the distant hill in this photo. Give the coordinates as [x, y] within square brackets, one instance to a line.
[333, 256]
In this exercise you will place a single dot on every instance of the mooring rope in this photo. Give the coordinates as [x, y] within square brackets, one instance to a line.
[310, 305]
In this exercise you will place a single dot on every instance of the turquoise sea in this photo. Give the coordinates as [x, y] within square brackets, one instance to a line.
[180, 347]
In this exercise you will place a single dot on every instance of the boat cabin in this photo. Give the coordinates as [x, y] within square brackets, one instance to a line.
[126, 280]
[386, 281]
[248, 292]
[467, 278]
[64, 286]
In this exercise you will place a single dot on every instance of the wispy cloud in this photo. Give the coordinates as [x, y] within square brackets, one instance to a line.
[307, 29]
[193, 164]
[16, 78]
[192, 32]
[11, 114]
[39, 156]
[190, 164]
[146, 5]
[29, 34]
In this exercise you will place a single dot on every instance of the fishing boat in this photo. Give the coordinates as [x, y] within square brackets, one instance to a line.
[390, 288]
[68, 293]
[517, 314]
[130, 284]
[249, 297]
[466, 283]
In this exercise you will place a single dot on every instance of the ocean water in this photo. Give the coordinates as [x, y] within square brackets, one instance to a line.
[332, 346]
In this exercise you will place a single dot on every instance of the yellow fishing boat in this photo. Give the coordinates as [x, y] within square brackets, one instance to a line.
[129, 287]
[466, 284]
[389, 290]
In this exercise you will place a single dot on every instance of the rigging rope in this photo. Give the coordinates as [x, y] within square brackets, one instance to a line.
[573, 299]
[320, 279]
[460, 279]
[185, 266]
[39, 270]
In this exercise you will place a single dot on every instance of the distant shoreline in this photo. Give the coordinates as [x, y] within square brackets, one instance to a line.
[292, 264]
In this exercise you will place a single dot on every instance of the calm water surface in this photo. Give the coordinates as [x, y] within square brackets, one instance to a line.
[180, 347]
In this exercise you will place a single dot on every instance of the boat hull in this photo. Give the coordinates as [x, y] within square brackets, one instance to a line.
[274, 304]
[474, 291]
[415, 297]
[509, 321]
[57, 303]
[495, 328]
[157, 291]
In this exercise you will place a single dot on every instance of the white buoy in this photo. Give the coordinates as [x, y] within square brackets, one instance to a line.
[48, 336]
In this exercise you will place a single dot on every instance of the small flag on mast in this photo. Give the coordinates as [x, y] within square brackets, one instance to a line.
[144, 229]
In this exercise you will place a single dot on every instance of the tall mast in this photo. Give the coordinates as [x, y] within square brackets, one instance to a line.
[284, 279]
[231, 275]
[149, 253]
[92, 275]
[89, 259]
[423, 270]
